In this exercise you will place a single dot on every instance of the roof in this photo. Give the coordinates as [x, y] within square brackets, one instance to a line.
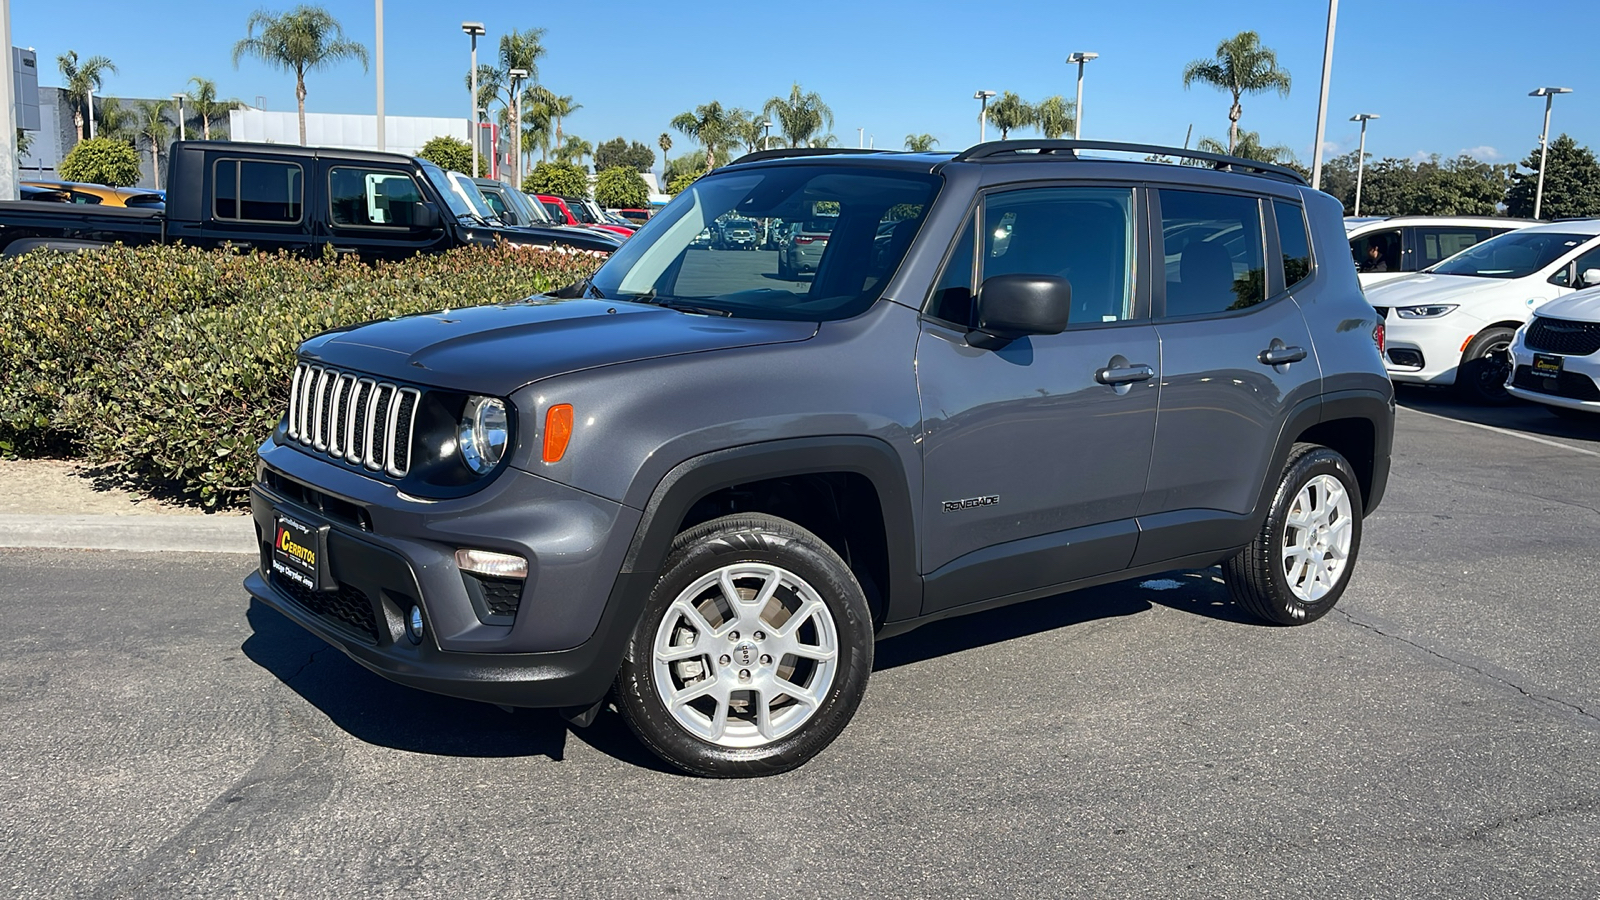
[1353, 223]
[292, 150]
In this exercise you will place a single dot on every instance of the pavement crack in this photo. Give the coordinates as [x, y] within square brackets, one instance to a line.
[307, 664]
[1588, 718]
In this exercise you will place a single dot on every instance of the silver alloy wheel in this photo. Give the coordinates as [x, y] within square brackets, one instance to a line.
[745, 655]
[1316, 538]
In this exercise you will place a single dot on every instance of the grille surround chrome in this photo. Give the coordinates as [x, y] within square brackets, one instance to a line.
[353, 418]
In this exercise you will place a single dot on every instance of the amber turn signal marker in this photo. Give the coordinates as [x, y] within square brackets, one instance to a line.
[557, 431]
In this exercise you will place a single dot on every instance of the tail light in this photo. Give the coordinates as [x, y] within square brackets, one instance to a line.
[1379, 336]
[804, 240]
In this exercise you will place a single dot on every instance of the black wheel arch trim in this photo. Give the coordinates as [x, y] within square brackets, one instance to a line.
[1376, 407]
[699, 476]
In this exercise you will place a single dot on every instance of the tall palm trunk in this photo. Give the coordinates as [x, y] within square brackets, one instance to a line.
[77, 120]
[1234, 112]
[155, 161]
[300, 96]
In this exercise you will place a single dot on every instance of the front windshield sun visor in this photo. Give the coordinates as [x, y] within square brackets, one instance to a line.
[870, 217]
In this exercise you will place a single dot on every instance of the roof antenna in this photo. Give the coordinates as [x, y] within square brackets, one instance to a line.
[1186, 135]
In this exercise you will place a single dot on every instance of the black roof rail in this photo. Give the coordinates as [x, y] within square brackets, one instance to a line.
[782, 152]
[1069, 150]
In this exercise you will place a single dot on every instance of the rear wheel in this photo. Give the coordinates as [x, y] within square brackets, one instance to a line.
[1298, 565]
[1485, 367]
[753, 652]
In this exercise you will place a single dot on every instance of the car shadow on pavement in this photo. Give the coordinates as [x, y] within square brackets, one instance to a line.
[1531, 418]
[375, 710]
[1199, 591]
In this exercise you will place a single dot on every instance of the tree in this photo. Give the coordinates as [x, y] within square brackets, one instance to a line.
[621, 187]
[153, 132]
[573, 151]
[1571, 186]
[709, 124]
[1241, 66]
[1461, 187]
[800, 116]
[665, 143]
[681, 183]
[24, 142]
[82, 79]
[1010, 112]
[102, 161]
[618, 152]
[559, 178]
[451, 154]
[1249, 146]
[920, 143]
[207, 108]
[1056, 116]
[301, 40]
[689, 164]
[117, 122]
[749, 129]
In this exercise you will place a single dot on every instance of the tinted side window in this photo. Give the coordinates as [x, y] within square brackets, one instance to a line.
[1377, 252]
[1215, 252]
[1567, 274]
[371, 198]
[1084, 235]
[1435, 244]
[1292, 240]
[252, 190]
[952, 294]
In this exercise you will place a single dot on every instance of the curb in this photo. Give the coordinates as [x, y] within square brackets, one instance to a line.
[172, 534]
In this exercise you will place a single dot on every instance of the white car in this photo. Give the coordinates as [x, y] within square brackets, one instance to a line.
[1407, 244]
[1556, 357]
[1453, 323]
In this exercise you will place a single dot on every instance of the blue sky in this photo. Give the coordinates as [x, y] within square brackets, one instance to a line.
[1445, 78]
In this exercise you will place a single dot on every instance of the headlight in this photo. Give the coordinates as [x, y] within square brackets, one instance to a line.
[482, 434]
[1425, 312]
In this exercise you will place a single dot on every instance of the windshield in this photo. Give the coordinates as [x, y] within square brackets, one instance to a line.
[1512, 255]
[529, 208]
[830, 278]
[581, 212]
[441, 183]
[469, 192]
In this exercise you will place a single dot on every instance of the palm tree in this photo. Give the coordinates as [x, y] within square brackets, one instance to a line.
[709, 124]
[83, 79]
[800, 116]
[207, 108]
[665, 143]
[153, 132]
[1010, 112]
[560, 108]
[1055, 116]
[303, 39]
[920, 143]
[117, 121]
[574, 150]
[1241, 66]
[1249, 146]
[749, 129]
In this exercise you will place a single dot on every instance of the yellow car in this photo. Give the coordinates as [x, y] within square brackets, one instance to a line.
[102, 195]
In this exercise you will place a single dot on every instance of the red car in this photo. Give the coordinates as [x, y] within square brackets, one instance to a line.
[574, 211]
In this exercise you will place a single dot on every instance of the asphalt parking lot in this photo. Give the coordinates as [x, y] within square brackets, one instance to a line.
[1437, 735]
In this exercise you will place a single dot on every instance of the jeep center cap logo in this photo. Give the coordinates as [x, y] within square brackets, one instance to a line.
[745, 654]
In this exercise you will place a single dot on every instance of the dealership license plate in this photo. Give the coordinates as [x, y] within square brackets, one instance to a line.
[1546, 365]
[296, 552]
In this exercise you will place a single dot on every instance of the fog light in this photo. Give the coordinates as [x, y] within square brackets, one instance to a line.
[414, 625]
[495, 565]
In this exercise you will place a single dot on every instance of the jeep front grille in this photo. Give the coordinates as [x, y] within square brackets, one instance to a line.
[361, 420]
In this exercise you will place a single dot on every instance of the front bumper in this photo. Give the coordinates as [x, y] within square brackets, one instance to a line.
[1578, 386]
[1438, 342]
[384, 553]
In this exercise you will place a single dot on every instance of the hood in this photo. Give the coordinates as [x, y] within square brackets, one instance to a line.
[1579, 306]
[497, 349]
[1424, 287]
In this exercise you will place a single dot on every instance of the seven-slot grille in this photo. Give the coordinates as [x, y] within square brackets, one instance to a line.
[364, 421]
[1562, 336]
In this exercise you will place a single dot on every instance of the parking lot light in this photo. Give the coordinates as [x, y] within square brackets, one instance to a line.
[516, 119]
[1077, 109]
[766, 138]
[183, 133]
[1361, 155]
[983, 113]
[1549, 95]
[474, 30]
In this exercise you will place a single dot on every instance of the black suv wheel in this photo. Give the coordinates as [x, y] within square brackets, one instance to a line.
[753, 652]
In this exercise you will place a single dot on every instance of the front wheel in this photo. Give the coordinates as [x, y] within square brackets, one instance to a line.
[753, 651]
[1485, 367]
[1300, 562]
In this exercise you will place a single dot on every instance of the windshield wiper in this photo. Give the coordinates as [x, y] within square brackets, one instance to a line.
[676, 305]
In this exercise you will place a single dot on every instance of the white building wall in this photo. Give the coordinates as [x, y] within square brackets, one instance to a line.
[402, 134]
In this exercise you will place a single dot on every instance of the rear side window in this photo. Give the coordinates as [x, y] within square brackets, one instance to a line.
[1377, 252]
[1215, 252]
[1292, 240]
[1437, 244]
[253, 190]
[371, 198]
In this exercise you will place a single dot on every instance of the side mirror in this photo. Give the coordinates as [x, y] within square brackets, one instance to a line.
[1014, 306]
[1589, 278]
[425, 216]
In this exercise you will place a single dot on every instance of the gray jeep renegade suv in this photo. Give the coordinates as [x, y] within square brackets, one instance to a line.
[699, 485]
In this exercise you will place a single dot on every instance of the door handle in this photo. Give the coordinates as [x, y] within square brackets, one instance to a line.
[1120, 375]
[1279, 355]
[341, 251]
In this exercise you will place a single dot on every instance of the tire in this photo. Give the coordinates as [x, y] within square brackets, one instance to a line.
[783, 267]
[1318, 502]
[1485, 366]
[793, 669]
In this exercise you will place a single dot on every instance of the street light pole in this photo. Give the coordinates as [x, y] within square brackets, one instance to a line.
[1549, 95]
[516, 96]
[1322, 99]
[183, 131]
[1077, 109]
[1361, 154]
[861, 138]
[378, 20]
[766, 138]
[89, 93]
[474, 29]
[983, 114]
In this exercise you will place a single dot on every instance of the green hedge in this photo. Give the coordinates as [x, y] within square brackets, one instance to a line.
[173, 363]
